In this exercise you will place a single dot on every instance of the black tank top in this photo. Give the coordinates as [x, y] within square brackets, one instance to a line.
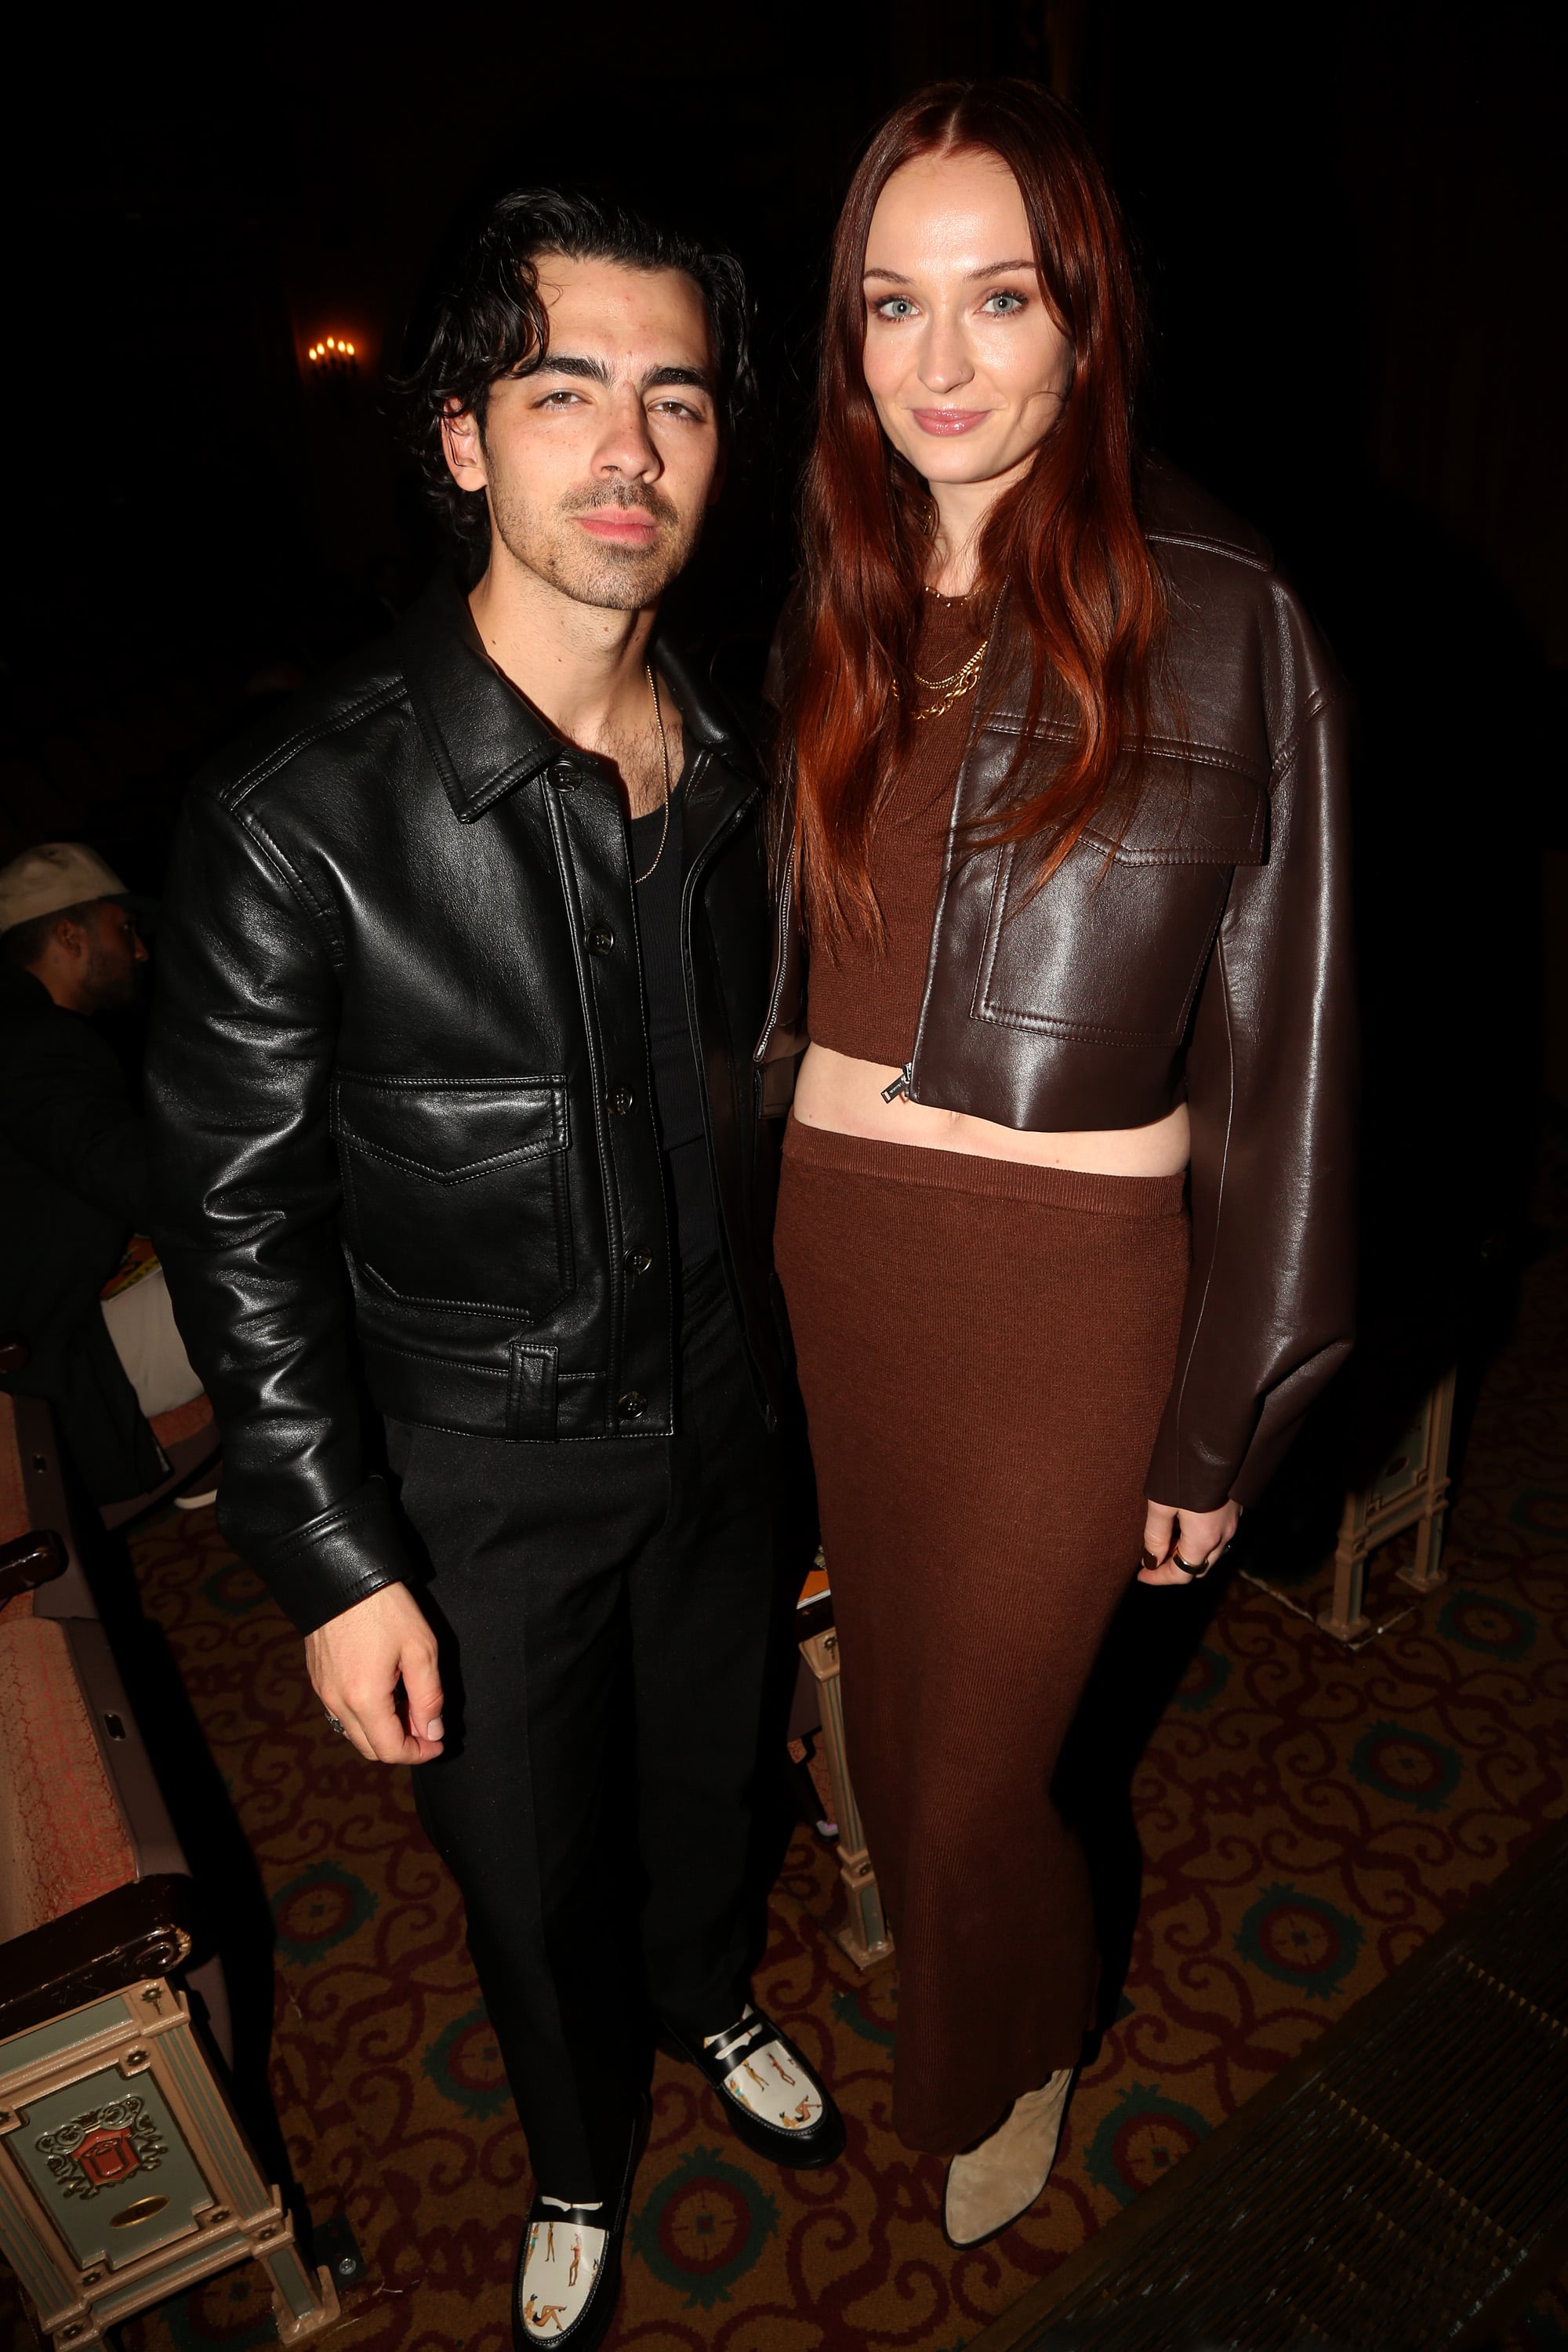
[677, 1086]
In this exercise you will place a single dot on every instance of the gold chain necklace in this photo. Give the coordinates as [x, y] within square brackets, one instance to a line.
[664, 753]
[952, 689]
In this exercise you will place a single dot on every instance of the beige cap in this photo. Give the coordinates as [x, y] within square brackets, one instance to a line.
[56, 874]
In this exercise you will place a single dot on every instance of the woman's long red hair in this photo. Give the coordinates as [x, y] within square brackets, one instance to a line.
[1084, 596]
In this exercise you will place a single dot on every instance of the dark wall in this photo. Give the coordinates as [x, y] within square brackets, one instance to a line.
[1351, 220]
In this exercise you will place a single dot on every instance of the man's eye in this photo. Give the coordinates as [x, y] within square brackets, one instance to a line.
[897, 305]
[1003, 305]
[558, 399]
[678, 408]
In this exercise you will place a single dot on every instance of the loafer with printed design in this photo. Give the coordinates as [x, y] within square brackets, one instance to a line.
[569, 2265]
[772, 2100]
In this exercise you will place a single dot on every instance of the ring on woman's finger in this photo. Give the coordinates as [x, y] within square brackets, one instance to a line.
[1197, 1572]
[335, 1725]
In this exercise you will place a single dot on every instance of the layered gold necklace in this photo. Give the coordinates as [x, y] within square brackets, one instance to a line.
[963, 681]
[951, 689]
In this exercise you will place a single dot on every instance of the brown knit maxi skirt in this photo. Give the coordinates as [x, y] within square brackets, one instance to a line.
[984, 1351]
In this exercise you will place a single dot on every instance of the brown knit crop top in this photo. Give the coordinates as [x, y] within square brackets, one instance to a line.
[866, 1002]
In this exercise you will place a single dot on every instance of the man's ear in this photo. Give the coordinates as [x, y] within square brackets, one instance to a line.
[463, 447]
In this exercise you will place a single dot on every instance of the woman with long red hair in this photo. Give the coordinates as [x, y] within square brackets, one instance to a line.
[1063, 989]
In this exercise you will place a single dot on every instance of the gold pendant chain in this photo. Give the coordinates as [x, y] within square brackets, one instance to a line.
[664, 754]
[952, 689]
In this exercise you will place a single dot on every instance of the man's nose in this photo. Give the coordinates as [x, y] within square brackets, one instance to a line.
[626, 447]
[138, 947]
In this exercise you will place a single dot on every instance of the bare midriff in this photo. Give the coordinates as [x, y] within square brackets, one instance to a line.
[835, 1091]
[864, 1003]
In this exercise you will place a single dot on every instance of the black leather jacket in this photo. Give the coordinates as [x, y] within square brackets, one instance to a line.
[1195, 948]
[401, 1093]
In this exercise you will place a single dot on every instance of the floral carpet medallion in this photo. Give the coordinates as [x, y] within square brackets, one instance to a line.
[1399, 1762]
[319, 1910]
[465, 2064]
[1299, 1939]
[703, 2227]
[1138, 2141]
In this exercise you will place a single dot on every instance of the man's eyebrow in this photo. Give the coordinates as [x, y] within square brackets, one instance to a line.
[700, 377]
[564, 363]
[598, 372]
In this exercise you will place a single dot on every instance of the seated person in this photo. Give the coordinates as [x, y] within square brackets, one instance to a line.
[74, 1184]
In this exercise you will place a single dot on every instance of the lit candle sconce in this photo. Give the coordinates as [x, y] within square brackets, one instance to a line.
[333, 355]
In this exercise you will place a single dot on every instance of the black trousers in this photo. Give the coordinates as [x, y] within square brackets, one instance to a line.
[604, 1612]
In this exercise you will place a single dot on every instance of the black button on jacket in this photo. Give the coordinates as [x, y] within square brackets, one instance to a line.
[402, 1104]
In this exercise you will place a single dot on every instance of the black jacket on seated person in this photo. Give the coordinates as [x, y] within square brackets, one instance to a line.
[401, 1092]
[73, 1187]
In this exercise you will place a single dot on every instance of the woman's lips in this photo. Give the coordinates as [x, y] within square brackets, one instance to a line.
[630, 527]
[949, 420]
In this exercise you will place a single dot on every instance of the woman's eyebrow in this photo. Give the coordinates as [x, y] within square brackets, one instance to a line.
[990, 269]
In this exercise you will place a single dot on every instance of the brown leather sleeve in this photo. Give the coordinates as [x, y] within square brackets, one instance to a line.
[1271, 1083]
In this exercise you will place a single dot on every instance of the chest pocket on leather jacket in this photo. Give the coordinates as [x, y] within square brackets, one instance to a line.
[454, 1189]
[1115, 946]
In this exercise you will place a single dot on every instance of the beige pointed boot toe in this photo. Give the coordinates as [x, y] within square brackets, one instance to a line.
[989, 2186]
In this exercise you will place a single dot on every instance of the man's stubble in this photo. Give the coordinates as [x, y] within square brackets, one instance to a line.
[113, 979]
[547, 542]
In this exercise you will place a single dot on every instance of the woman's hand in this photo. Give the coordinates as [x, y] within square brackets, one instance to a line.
[356, 1661]
[1199, 1537]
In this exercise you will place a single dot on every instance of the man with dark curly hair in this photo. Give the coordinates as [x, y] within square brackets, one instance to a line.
[455, 1120]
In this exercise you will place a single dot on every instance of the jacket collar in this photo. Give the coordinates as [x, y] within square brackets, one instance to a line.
[485, 740]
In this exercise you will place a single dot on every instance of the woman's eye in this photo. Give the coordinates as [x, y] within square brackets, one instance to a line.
[1003, 305]
[897, 305]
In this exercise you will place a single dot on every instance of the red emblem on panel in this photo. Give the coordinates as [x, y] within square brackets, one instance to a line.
[106, 2157]
[102, 2146]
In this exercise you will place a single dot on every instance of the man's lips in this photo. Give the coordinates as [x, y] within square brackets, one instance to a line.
[949, 420]
[629, 526]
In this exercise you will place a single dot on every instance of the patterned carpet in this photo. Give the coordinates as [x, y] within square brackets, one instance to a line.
[1307, 1817]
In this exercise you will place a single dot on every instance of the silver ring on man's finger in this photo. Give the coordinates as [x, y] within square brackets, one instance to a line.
[335, 1725]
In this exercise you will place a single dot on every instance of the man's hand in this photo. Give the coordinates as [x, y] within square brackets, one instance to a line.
[1198, 1536]
[355, 1663]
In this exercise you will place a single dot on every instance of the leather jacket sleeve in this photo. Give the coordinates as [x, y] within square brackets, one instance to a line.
[247, 1192]
[1270, 1302]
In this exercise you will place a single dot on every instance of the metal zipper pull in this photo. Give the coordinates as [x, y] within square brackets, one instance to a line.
[901, 1085]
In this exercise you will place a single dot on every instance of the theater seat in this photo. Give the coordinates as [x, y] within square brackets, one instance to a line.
[124, 2176]
[63, 1840]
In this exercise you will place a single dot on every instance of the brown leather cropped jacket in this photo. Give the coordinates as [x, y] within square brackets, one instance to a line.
[1198, 948]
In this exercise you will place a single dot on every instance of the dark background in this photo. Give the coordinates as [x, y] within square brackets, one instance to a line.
[1351, 224]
